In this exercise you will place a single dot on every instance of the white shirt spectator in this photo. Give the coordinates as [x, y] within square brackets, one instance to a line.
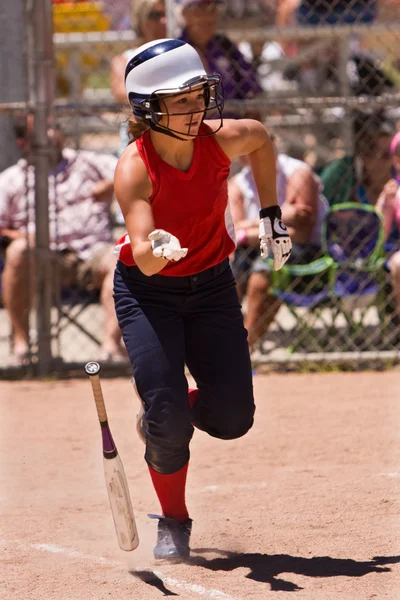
[285, 167]
[77, 221]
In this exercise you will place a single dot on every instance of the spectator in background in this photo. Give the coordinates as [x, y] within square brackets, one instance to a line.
[388, 205]
[316, 61]
[333, 12]
[80, 196]
[360, 177]
[303, 210]
[119, 11]
[149, 23]
[218, 53]
[388, 202]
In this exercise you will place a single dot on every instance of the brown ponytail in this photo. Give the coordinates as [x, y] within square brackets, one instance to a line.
[136, 129]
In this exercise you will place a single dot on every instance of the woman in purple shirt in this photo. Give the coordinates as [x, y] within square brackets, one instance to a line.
[217, 52]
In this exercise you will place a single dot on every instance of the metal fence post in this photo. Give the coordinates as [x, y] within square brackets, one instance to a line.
[345, 91]
[172, 24]
[12, 74]
[44, 77]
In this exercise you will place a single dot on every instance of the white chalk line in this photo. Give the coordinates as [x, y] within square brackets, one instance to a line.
[68, 552]
[240, 486]
[262, 485]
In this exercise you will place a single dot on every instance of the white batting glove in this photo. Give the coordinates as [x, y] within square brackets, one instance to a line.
[165, 245]
[274, 236]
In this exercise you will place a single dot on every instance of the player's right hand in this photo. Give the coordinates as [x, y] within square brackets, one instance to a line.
[274, 236]
[165, 245]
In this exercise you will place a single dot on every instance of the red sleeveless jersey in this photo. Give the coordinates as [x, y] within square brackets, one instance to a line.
[191, 205]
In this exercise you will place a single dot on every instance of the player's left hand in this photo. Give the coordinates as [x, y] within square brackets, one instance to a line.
[274, 236]
[165, 245]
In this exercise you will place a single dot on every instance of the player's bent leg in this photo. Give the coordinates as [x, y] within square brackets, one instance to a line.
[168, 428]
[154, 338]
[217, 355]
[225, 412]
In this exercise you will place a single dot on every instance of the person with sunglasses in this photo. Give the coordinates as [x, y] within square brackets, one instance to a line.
[174, 291]
[149, 23]
[360, 177]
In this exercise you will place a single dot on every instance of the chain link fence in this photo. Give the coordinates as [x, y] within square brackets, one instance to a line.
[324, 78]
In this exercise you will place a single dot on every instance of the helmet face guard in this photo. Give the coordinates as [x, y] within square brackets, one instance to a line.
[153, 109]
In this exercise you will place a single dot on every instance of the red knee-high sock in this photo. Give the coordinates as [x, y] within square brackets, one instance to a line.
[192, 396]
[170, 490]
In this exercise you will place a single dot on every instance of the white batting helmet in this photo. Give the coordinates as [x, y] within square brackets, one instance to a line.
[168, 67]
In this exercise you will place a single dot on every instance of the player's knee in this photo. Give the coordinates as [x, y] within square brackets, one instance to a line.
[237, 422]
[236, 428]
[167, 441]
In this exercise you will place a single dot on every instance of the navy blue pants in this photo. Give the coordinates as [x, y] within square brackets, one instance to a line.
[167, 322]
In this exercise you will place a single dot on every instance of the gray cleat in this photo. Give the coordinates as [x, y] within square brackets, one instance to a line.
[172, 539]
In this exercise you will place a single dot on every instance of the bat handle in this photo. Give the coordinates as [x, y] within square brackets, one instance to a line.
[92, 369]
[98, 398]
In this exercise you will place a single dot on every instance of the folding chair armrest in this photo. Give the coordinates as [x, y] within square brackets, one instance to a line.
[313, 268]
[371, 266]
[281, 278]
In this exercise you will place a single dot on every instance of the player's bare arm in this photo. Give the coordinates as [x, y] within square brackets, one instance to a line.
[133, 189]
[249, 137]
[151, 248]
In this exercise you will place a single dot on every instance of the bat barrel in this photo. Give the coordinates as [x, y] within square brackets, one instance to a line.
[117, 485]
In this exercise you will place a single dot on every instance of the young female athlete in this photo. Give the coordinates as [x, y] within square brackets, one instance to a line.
[175, 295]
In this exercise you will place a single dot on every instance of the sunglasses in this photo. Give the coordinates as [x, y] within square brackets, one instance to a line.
[156, 15]
[384, 155]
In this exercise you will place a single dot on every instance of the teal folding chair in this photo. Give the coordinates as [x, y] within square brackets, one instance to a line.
[353, 237]
[348, 276]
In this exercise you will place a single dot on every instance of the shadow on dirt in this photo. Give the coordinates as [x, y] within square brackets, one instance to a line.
[152, 579]
[266, 567]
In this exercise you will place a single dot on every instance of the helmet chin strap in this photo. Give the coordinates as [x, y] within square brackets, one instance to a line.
[166, 131]
[174, 134]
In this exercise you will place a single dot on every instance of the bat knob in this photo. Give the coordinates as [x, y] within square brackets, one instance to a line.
[92, 368]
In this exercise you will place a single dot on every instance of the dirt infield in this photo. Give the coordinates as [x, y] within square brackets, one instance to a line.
[307, 502]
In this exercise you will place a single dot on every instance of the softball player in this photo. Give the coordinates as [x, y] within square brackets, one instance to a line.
[174, 291]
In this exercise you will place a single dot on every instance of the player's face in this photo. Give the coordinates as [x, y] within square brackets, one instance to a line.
[185, 112]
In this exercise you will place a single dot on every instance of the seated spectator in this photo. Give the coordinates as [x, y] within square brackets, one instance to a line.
[149, 23]
[81, 192]
[303, 210]
[335, 12]
[388, 205]
[316, 61]
[360, 177]
[218, 53]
